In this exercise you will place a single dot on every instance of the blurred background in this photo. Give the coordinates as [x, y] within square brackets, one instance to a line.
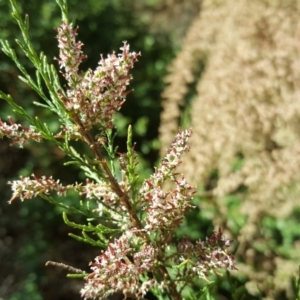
[230, 70]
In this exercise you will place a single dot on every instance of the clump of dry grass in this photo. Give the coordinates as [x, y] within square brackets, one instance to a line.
[243, 57]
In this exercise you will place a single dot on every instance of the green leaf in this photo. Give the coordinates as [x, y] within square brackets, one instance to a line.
[64, 9]
[76, 276]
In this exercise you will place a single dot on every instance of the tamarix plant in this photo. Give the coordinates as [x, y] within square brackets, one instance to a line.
[134, 223]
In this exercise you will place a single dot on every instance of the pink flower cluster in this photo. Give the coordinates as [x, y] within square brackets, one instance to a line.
[95, 96]
[19, 134]
[108, 201]
[27, 188]
[165, 210]
[138, 260]
[119, 269]
[70, 52]
[205, 257]
[126, 264]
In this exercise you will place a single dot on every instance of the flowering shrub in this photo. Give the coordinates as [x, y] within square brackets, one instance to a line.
[242, 75]
[137, 225]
